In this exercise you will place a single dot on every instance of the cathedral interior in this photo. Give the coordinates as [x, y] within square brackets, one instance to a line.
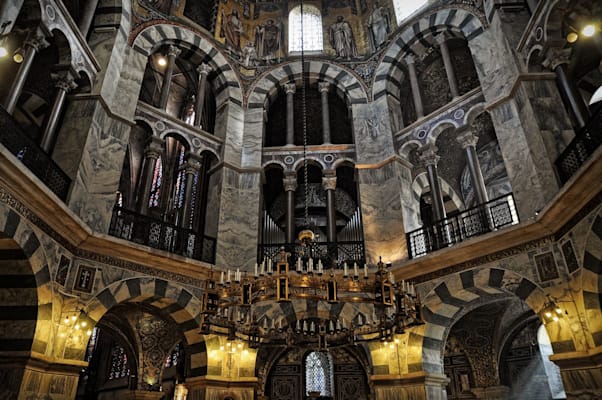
[290, 200]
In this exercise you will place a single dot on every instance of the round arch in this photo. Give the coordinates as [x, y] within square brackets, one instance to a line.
[457, 22]
[183, 307]
[421, 183]
[459, 294]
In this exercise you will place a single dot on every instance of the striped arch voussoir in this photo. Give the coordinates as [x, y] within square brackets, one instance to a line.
[181, 305]
[592, 280]
[266, 87]
[421, 183]
[14, 226]
[417, 38]
[197, 49]
[461, 293]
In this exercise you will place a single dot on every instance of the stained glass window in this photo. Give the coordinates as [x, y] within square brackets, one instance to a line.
[172, 359]
[312, 29]
[155, 191]
[119, 363]
[91, 344]
[180, 189]
[318, 373]
[405, 8]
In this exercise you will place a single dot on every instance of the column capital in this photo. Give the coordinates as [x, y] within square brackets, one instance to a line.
[154, 148]
[290, 88]
[555, 57]
[63, 81]
[203, 69]
[323, 86]
[173, 51]
[467, 139]
[290, 183]
[410, 59]
[441, 39]
[429, 156]
[36, 41]
[193, 163]
[329, 182]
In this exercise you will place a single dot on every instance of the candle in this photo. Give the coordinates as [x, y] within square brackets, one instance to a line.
[221, 279]
[255, 274]
[355, 273]
[366, 271]
[345, 270]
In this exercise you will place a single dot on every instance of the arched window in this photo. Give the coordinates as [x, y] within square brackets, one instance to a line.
[312, 29]
[118, 367]
[405, 8]
[318, 373]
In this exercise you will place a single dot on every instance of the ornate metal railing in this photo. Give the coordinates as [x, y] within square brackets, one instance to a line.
[158, 234]
[586, 141]
[32, 156]
[331, 254]
[475, 221]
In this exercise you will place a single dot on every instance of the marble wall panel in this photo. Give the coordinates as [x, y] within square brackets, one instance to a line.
[232, 121]
[238, 220]
[9, 10]
[382, 214]
[123, 98]
[93, 190]
[253, 139]
[213, 203]
[372, 132]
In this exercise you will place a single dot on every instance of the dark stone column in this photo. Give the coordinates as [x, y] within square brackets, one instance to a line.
[64, 84]
[172, 53]
[290, 185]
[290, 89]
[329, 183]
[468, 141]
[410, 60]
[203, 70]
[323, 88]
[85, 22]
[152, 153]
[430, 159]
[192, 167]
[447, 62]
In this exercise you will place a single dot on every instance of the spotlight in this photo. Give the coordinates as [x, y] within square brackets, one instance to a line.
[3, 51]
[18, 56]
[162, 61]
[572, 37]
[588, 30]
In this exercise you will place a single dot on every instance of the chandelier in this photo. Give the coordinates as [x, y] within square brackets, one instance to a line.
[235, 305]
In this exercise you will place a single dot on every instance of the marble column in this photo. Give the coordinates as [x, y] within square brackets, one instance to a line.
[447, 62]
[152, 153]
[191, 168]
[329, 183]
[290, 89]
[290, 185]
[64, 84]
[34, 43]
[558, 61]
[203, 70]
[429, 158]
[410, 61]
[172, 53]
[87, 16]
[323, 88]
[469, 141]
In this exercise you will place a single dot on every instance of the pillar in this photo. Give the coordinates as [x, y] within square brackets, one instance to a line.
[85, 21]
[558, 61]
[329, 183]
[192, 167]
[410, 61]
[323, 88]
[203, 70]
[430, 159]
[290, 185]
[64, 84]
[468, 141]
[290, 89]
[172, 53]
[151, 155]
[34, 43]
[447, 62]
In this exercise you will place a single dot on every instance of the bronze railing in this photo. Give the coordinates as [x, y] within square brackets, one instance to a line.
[484, 218]
[158, 234]
[32, 156]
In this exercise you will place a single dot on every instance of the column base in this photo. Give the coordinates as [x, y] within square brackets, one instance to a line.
[581, 373]
[491, 392]
[412, 386]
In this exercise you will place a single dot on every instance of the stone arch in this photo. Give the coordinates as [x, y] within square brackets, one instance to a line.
[591, 275]
[14, 226]
[439, 128]
[473, 113]
[150, 38]
[459, 294]
[275, 164]
[421, 183]
[457, 22]
[311, 160]
[182, 305]
[344, 162]
[552, 26]
[177, 135]
[265, 88]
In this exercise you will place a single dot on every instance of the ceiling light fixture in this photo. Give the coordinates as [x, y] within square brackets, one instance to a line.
[572, 37]
[588, 30]
[161, 61]
[18, 56]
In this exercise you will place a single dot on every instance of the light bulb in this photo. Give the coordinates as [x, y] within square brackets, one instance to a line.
[558, 310]
[73, 318]
[548, 314]
[588, 30]
[66, 320]
[162, 61]
[89, 332]
[3, 52]
[76, 327]
[18, 56]
[84, 324]
[555, 319]
[572, 37]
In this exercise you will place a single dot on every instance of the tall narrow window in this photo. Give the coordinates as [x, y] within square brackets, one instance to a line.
[318, 373]
[118, 367]
[155, 191]
[405, 8]
[312, 29]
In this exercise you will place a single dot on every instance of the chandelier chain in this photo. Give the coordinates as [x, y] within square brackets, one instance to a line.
[304, 116]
